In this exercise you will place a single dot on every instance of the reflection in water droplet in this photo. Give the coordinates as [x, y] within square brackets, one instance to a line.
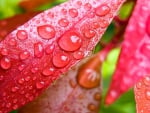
[38, 50]
[22, 35]
[102, 10]
[5, 63]
[73, 13]
[61, 60]
[63, 22]
[40, 85]
[70, 41]
[46, 31]
[48, 71]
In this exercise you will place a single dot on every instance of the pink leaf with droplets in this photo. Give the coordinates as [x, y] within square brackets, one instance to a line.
[142, 95]
[134, 61]
[38, 45]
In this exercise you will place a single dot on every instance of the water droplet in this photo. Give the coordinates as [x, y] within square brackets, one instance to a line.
[15, 101]
[48, 71]
[92, 107]
[148, 25]
[22, 92]
[21, 81]
[38, 50]
[4, 51]
[79, 3]
[21, 67]
[97, 96]
[15, 107]
[61, 59]
[78, 55]
[40, 85]
[63, 22]
[88, 78]
[34, 69]
[145, 49]
[70, 41]
[8, 105]
[14, 89]
[147, 81]
[22, 35]
[24, 55]
[12, 42]
[27, 78]
[49, 49]
[102, 10]
[73, 13]
[5, 63]
[89, 33]
[91, 15]
[87, 6]
[1, 78]
[46, 31]
[147, 94]
[95, 25]
[103, 23]
[64, 11]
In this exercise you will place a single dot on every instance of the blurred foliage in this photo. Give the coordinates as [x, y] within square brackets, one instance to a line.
[126, 103]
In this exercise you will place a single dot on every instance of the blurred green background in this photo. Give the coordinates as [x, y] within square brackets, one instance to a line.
[126, 104]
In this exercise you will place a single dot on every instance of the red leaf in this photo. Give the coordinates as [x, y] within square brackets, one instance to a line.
[134, 61]
[142, 95]
[78, 91]
[34, 62]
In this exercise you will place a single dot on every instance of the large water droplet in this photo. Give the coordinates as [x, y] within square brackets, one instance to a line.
[89, 33]
[87, 6]
[38, 50]
[5, 63]
[88, 78]
[48, 71]
[12, 42]
[147, 94]
[145, 49]
[78, 55]
[24, 55]
[4, 51]
[22, 35]
[46, 31]
[49, 49]
[73, 12]
[102, 10]
[70, 41]
[61, 59]
[40, 85]
[63, 22]
[148, 25]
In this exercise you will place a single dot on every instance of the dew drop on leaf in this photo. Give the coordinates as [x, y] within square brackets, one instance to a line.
[87, 6]
[63, 22]
[40, 85]
[22, 34]
[38, 50]
[78, 55]
[102, 10]
[48, 71]
[70, 41]
[4, 51]
[73, 13]
[89, 33]
[12, 42]
[46, 31]
[5, 63]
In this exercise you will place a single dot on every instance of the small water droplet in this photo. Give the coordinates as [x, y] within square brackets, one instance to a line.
[88, 78]
[95, 25]
[145, 49]
[89, 33]
[14, 89]
[147, 81]
[97, 96]
[49, 49]
[15, 101]
[1, 78]
[4, 51]
[5, 63]
[92, 107]
[21, 81]
[24, 55]
[103, 23]
[27, 78]
[21, 67]
[148, 25]
[34, 69]
[78, 55]
[61, 59]
[48, 71]
[87, 6]
[73, 13]
[40, 85]
[46, 31]
[70, 41]
[64, 11]
[38, 50]
[15, 107]
[22, 35]
[22, 92]
[63, 22]
[12, 42]
[72, 83]
[91, 15]
[147, 94]
[102, 10]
